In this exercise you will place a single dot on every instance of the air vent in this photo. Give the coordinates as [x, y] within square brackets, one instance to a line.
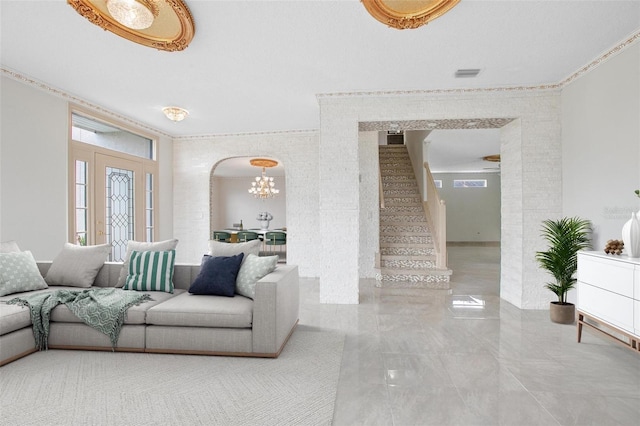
[467, 73]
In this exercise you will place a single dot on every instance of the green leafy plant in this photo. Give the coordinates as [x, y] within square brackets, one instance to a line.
[566, 237]
[637, 192]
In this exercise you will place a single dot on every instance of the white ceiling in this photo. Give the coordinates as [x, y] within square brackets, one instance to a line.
[257, 66]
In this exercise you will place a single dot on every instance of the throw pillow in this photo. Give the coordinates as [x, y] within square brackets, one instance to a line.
[217, 275]
[151, 271]
[216, 248]
[252, 270]
[19, 272]
[9, 247]
[142, 246]
[77, 266]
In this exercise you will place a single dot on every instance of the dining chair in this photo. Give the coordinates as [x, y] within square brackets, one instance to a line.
[244, 236]
[275, 238]
[222, 236]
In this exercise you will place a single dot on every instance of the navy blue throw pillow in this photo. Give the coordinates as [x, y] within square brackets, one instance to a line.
[217, 275]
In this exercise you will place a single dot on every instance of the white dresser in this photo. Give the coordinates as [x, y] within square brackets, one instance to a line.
[609, 296]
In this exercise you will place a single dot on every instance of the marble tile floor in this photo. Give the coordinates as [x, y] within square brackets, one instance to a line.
[465, 357]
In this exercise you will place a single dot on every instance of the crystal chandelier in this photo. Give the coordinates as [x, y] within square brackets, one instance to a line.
[263, 187]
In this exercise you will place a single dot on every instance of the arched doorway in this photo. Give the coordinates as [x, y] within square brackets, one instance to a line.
[232, 206]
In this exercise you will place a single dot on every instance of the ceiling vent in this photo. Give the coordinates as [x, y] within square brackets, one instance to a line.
[467, 73]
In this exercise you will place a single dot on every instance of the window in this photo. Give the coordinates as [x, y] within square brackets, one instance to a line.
[112, 179]
[470, 183]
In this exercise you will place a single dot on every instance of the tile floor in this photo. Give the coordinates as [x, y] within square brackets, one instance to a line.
[465, 357]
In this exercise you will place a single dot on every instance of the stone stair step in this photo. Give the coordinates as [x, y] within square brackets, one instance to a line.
[406, 239]
[405, 218]
[404, 250]
[407, 264]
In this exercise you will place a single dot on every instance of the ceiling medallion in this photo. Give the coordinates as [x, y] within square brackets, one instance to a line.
[169, 23]
[407, 14]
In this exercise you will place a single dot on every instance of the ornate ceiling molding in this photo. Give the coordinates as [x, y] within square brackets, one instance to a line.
[79, 101]
[442, 124]
[404, 15]
[172, 30]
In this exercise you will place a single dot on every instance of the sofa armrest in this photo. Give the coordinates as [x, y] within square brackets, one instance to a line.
[275, 309]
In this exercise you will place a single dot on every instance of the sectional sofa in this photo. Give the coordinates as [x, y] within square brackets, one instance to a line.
[178, 322]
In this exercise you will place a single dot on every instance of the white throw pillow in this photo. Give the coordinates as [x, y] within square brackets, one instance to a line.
[216, 248]
[253, 269]
[9, 247]
[132, 246]
[19, 272]
[77, 266]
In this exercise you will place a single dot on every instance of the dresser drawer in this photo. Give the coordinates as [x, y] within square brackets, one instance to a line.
[636, 283]
[636, 316]
[617, 277]
[608, 306]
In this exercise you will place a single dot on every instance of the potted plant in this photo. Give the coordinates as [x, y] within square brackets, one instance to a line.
[566, 237]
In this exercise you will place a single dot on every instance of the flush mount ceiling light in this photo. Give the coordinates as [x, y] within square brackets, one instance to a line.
[161, 24]
[175, 113]
[407, 14]
[134, 14]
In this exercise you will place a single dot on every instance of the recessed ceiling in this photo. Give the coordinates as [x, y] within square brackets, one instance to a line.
[257, 66]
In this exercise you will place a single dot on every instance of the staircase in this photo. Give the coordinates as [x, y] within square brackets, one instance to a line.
[407, 253]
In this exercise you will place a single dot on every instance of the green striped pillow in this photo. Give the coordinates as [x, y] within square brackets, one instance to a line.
[151, 271]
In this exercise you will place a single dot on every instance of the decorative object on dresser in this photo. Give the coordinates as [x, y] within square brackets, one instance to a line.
[631, 235]
[614, 247]
[609, 297]
[565, 237]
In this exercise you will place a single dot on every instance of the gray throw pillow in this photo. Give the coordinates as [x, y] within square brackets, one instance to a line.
[19, 272]
[132, 246]
[216, 248]
[77, 266]
[9, 247]
[252, 270]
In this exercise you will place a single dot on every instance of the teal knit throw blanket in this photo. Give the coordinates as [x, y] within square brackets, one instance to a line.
[101, 308]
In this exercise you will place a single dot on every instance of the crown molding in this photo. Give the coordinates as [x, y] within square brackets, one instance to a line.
[14, 75]
[506, 89]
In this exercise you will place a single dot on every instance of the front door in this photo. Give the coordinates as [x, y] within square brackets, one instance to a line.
[120, 206]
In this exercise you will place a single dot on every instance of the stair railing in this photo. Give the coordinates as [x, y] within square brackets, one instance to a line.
[436, 211]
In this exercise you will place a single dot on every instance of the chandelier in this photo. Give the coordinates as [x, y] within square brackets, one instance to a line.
[263, 187]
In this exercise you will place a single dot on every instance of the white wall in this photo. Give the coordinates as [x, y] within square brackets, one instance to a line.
[33, 170]
[601, 145]
[415, 142]
[369, 198]
[473, 214]
[235, 203]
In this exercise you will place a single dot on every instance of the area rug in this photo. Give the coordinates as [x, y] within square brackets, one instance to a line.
[110, 388]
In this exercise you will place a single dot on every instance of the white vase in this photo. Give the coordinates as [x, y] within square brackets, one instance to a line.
[631, 235]
[264, 225]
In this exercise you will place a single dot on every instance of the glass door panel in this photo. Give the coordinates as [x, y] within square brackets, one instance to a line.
[119, 203]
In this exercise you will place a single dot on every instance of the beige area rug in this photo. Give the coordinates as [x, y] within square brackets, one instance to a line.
[110, 388]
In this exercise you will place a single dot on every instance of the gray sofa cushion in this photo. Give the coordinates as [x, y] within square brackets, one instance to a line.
[135, 314]
[13, 317]
[190, 310]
